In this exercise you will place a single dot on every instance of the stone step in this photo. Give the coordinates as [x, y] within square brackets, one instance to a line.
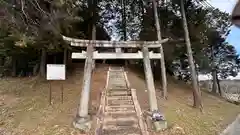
[113, 86]
[116, 80]
[117, 86]
[116, 72]
[119, 102]
[119, 72]
[117, 83]
[121, 130]
[114, 109]
[118, 93]
[117, 77]
[120, 113]
[116, 127]
[120, 121]
[120, 116]
[116, 68]
[114, 90]
[106, 133]
[120, 108]
[119, 97]
[129, 123]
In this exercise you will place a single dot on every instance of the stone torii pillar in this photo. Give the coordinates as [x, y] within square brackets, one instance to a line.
[162, 124]
[83, 120]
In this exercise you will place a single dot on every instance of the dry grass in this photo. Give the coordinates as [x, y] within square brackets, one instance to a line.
[25, 110]
[180, 113]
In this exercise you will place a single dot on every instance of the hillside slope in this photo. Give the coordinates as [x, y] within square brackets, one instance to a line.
[178, 108]
[25, 108]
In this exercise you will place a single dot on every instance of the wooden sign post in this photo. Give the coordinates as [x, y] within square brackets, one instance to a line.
[55, 72]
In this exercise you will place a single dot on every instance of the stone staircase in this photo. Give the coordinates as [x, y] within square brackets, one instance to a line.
[119, 115]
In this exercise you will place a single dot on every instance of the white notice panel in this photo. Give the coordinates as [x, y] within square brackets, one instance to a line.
[56, 72]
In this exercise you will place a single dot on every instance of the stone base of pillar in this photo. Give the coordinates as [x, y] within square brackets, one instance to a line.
[82, 123]
[160, 125]
[156, 125]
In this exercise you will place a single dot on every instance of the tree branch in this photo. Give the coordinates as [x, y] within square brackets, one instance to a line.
[22, 8]
[40, 7]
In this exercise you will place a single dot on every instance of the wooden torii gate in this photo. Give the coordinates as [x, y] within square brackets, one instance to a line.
[82, 120]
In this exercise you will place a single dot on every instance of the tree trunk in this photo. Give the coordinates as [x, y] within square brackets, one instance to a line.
[43, 63]
[2, 61]
[196, 92]
[214, 71]
[65, 59]
[14, 66]
[55, 58]
[124, 20]
[163, 68]
[214, 81]
[219, 87]
[69, 57]
[65, 56]
[35, 69]
[124, 24]
[119, 50]
[197, 77]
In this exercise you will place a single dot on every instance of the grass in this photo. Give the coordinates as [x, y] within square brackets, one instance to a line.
[25, 108]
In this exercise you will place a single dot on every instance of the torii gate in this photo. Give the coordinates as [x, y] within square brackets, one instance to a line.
[82, 120]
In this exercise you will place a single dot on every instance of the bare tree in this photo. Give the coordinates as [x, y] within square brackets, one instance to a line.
[196, 92]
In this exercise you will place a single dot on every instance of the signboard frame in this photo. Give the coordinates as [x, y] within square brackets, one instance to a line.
[55, 72]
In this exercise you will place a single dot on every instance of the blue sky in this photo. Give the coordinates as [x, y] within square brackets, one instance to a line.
[234, 38]
[227, 6]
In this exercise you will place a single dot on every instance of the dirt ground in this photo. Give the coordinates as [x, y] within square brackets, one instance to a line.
[179, 112]
[25, 109]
